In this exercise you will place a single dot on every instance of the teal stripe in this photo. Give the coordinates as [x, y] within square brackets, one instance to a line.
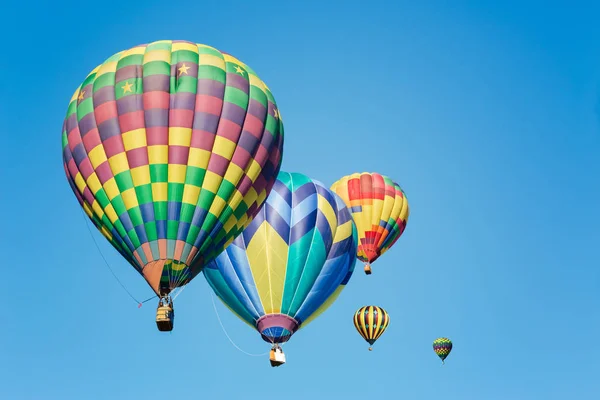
[297, 256]
[218, 284]
[307, 257]
[312, 269]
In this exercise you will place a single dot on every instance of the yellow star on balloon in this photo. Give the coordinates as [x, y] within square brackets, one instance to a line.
[183, 69]
[275, 113]
[127, 87]
[81, 94]
[239, 70]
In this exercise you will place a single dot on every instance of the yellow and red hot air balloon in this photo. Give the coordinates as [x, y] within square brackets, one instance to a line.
[380, 210]
[171, 148]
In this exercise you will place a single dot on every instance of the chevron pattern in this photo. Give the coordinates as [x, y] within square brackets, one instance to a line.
[294, 258]
[442, 347]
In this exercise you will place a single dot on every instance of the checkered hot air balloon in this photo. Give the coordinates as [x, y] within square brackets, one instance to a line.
[371, 322]
[442, 347]
[292, 261]
[171, 149]
[380, 211]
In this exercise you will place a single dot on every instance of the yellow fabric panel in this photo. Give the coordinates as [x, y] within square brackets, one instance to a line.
[267, 255]
[343, 232]
[212, 182]
[224, 147]
[141, 175]
[362, 323]
[111, 188]
[217, 206]
[199, 158]
[376, 330]
[405, 211]
[184, 46]
[211, 60]
[158, 154]
[97, 209]
[129, 199]
[176, 173]
[191, 194]
[111, 214]
[386, 213]
[160, 191]
[325, 207]
[139, 50]
[179, 136]
[80, 182]
[107, 67]
[370, 322]
[377, 211]
[118, 163]
[134, 139]
[157, 55]
[97, 156]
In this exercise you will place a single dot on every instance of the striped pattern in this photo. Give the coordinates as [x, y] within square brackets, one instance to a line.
[442, 347]
[293, 259]
[371, 322]
[379, 208]
[171, 148]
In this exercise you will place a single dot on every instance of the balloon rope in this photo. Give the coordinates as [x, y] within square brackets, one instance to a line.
[139, 303]
[179, 292]
[180, 278]
[224, 331]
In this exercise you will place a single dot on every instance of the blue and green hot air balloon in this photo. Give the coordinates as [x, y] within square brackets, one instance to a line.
[291, 263]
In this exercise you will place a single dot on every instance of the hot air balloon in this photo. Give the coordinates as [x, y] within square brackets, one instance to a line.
[380, 211]
[442, 347]
[371, 322]
[290, 264]
[171, 148]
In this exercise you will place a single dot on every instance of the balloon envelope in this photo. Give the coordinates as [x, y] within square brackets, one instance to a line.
[379, 208]
[171, 148]
[371, 322]
[442, 347]
[292, 261]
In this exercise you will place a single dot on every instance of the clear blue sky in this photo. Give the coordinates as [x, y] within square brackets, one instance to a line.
[486, 113]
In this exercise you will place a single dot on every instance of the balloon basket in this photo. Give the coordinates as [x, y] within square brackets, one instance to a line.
[367, 269]
[276, 357]
[165, 315]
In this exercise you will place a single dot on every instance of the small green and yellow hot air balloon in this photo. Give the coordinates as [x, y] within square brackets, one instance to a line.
[442, 347]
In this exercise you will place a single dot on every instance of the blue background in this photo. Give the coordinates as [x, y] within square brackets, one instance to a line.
[486, 113]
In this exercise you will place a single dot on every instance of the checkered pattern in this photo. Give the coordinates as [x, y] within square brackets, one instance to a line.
[171, 148]
[294, 259]
[371, 322]
[442, 347]
[379, 208]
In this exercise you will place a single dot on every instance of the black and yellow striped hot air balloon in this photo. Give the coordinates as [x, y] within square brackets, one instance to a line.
[371, 322]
